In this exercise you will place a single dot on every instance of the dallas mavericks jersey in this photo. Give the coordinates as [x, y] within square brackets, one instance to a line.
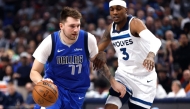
[69, 66]
[131, 50]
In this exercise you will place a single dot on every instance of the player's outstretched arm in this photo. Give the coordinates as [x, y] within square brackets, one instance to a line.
[104, 42]
[118, 87]
[138, 28]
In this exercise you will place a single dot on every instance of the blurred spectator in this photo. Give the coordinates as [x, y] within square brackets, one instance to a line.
[3, 42]
[12, 41]
[160, 92]
[111, 59]
[177, 73]
[131, 11]
[175, 6]
[91, 28]
[29, 102]
[187, 88]
[186, 20]
[22, 74]
[8, 73]
[182, 56]
[188, 94]
[164, 79]
[15, 99]
[3, 100]
[141, 15]
[176, 27]
[186, 30]
[4, 61]
[169, 35]
[166, 24]
[186, 77]
[101, 27]
[177, 90]
[101, 89]
[150, 24]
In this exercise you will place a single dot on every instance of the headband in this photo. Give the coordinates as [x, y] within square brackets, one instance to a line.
[117, 2]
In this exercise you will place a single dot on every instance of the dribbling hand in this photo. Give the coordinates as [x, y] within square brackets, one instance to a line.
[46, 80]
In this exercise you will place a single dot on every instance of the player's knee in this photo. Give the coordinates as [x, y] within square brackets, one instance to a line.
[111, 106]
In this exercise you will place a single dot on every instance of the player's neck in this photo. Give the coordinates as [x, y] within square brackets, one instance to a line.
[66, 40]
[121, 24]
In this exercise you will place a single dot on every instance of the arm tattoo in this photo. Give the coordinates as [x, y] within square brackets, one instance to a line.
[105, 71]
[106, 36]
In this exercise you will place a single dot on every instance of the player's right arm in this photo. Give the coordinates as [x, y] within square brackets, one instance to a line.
[41, 55]
[105, 40]
[118, 87]
[100, 59]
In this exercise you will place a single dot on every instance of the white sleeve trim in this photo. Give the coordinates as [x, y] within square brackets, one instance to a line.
[92, 45]
[43, 51]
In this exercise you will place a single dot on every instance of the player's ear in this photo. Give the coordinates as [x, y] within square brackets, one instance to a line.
[61, 25]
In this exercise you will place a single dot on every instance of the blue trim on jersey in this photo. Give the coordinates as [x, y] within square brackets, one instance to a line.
[128, 90]
[141, 101]
[120, 37]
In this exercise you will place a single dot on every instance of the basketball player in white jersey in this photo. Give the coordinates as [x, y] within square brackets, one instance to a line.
[136, 48]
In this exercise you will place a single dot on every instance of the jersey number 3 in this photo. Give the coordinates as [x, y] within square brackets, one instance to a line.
[126, 57]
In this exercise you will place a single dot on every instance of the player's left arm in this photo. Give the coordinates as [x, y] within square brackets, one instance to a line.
[138, 28]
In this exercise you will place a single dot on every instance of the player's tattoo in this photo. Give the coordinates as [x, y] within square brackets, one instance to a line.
[105, 71]
[106, 36]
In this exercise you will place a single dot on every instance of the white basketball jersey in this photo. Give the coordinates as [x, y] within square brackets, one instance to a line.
[131, 50]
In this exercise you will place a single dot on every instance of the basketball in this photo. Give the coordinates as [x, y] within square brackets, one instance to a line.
[45, 93]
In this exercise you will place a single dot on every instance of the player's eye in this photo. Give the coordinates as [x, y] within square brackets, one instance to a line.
[111, 9]
[118, 8]
[72, 26]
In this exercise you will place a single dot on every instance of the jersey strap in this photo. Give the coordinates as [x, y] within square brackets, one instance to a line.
[53, 47]
[86, 44]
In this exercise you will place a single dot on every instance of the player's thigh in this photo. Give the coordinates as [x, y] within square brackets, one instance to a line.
[77, 99]
[114, 101]
[143, 90]
[57, 105]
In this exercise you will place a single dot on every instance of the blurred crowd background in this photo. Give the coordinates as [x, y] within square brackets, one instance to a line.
[25, 23]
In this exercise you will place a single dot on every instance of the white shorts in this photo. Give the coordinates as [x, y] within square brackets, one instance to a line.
[142, 89]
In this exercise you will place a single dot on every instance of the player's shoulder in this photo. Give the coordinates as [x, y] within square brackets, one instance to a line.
[48, 38]
[136, 21]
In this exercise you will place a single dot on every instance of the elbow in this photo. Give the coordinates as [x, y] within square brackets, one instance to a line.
[32, 74]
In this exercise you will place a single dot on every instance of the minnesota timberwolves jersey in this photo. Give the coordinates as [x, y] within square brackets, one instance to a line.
[68, 66]
[131, 50]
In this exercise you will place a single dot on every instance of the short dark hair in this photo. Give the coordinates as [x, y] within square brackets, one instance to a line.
[69, 12]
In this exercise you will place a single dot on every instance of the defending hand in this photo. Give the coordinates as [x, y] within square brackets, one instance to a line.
[119, 88]
[100, 60]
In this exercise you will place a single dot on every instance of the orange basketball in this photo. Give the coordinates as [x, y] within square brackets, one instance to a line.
[45, 93]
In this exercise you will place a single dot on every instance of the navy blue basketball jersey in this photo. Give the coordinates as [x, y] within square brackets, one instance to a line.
[69, 66]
